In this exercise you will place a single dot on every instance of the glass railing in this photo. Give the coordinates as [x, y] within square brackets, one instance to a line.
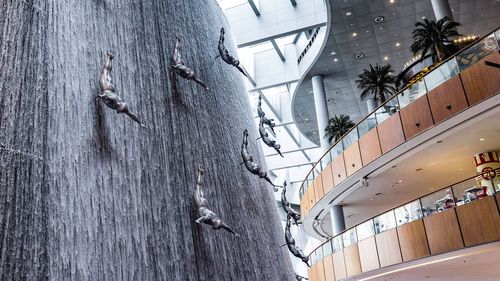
[460, 193]
[438, 75]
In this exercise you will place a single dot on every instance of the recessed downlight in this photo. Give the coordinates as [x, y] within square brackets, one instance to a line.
[379, 19]
[359, 55]
[354, 34]
[481, 139]
[335, 59]
[348, 13]
[419, 169]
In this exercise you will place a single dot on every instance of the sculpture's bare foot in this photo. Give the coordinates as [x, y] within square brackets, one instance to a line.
[110, 54]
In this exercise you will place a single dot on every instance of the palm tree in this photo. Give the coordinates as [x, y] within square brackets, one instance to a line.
[377, 81]
[337, 127]
[434, 37]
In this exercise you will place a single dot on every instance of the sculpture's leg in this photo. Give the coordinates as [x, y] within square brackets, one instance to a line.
[241, 70]
[134, 117]
[195, 79]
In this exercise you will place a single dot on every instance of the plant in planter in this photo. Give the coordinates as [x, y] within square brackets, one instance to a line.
[338, 126]
[378, 82]
[435, 38]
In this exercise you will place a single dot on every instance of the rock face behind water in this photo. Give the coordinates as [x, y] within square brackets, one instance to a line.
[85, 193]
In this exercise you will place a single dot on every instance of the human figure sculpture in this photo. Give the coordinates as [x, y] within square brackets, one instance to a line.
[108, 93]
[300, 278]
[265, 138]
[251, 166]
[290, 242]
[205, 214]
[180, 67]
[286, 206]
[262, 115]
[224, 54]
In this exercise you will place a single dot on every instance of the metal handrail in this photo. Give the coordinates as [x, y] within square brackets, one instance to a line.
[301, 189]
[450, 186]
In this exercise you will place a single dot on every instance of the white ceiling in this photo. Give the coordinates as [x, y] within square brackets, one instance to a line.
[376, 41]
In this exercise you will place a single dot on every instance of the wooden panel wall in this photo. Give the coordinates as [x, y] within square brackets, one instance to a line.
[480, 221]
[338, 169]
[318, 188]
[311, 196]
[443, 232]
[339, 265]
[388, 248]
[304, 205]
[390, 133]
[320, 271]
[368, 254]
[369, 145]
[412, 240]
[352, 261]
[328, 265]
[416, 117]
[352, 158]
[498, 200]
[478, 80]
[447, 99]
[327, 179]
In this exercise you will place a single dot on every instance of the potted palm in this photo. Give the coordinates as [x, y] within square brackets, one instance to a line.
[377, 84]
[434, 37]
[338, 126]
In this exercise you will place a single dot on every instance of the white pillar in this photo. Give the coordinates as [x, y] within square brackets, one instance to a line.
[337, 217]
[441, 9]
[371, 104]
[321, 109]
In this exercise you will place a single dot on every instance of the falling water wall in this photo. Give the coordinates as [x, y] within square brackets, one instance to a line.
[85, 193]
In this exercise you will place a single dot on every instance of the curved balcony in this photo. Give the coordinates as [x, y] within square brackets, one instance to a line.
[455, 219]
[455, 91]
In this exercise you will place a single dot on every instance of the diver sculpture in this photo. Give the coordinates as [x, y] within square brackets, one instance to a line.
[108, 93]
[224, 54]
[251, 166]
[205, 214]
[265, 138]
[262, 115]
[290, 243]
[180, 67]
[286, 206]
[300, 278]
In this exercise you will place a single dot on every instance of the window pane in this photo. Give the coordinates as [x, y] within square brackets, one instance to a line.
[384, 222]
[408, 213]
[365, 230]
[349, 237]
[441, 74]
[412, 93]
[437, 201]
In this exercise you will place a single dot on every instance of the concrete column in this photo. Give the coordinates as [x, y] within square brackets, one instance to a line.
[441, 9]
[371, 104]
[337, 216]
[321, 109]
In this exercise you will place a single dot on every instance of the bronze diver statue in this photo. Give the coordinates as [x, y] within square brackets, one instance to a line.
[286, 206]
[300, 278]
[205, 214]
[108, 93]
[251, 166]
[290, 243]
[180, 67]
[266, 139]
[224, 54]
[262, 115]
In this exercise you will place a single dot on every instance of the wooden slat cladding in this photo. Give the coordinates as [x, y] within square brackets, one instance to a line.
[369, 145]
[416, 117]
[443, 232]
[447, 99]
[390, 133]
[479, 221]
[480, 80]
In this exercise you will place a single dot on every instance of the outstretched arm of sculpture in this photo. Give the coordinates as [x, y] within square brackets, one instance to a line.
[134, 117]
[195, 79]
[226, 227]
[241, 70]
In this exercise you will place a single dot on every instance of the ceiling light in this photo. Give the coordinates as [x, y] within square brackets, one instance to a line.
[352, 24]
[391, 1]
[371, 199]
[432, 163]
[423, 17]
[379, 19]
[354, 34]
[359, 55]
[400, 181]
[348, 13]
[461, 169]
[386, 58]
[378, 194]
[330, 100]
[432, 188]
[333, 53]
[397, 44]
[419, 169]
[335, 60]
[481, 139]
